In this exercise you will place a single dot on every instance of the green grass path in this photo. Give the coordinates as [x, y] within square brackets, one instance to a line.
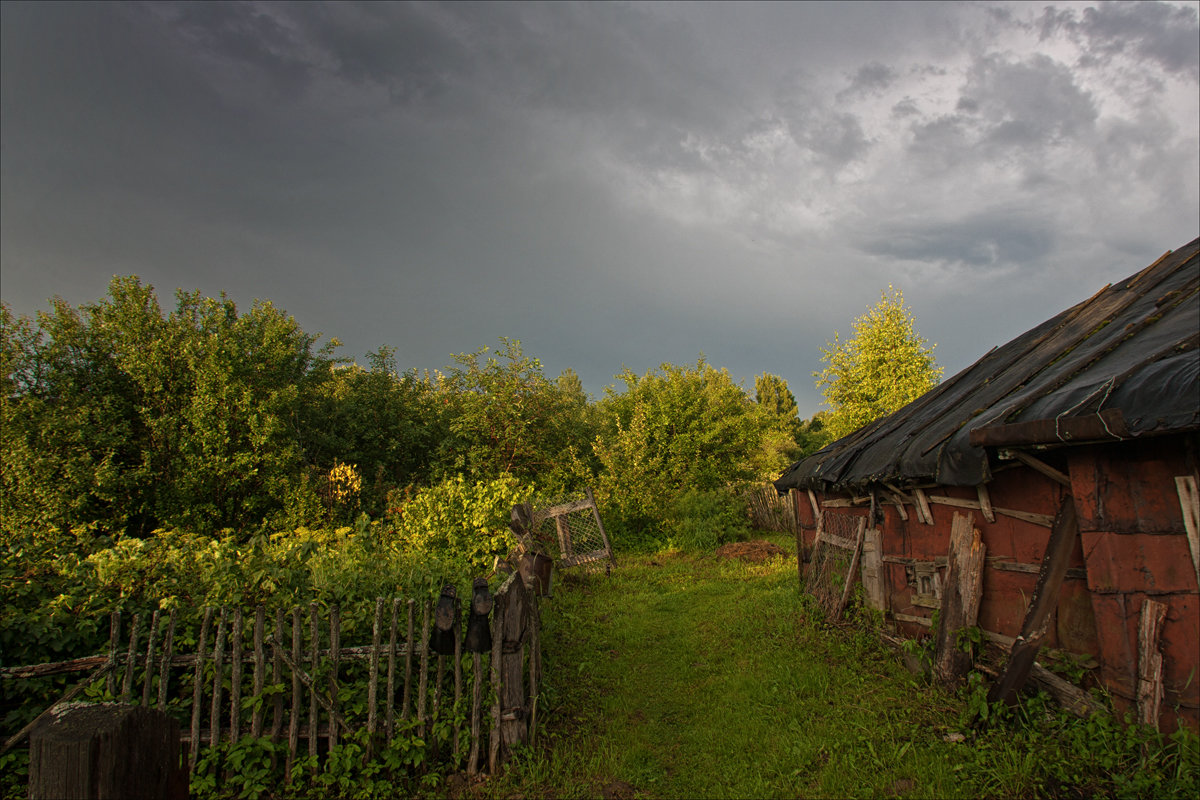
[690, 676]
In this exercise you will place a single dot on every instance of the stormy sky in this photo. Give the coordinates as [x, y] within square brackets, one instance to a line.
[614, 184]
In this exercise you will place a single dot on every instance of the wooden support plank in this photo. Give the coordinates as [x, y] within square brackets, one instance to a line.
[851, 573]
[872, 569]
[1150, 662]
[260, 668]
[985, 502]
[1045, 597]
[1041, 466]
[812, 501]
[1045, 520]
[563, 528]
[71, 694]
[164, 670]
[612, 558]
[922, 507]
[1189, 504]
[198, 687]
[961, 593]
[1069, 696]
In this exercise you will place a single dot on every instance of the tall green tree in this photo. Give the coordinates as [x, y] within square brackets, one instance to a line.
[116, 414]
[503, 415]
[882, 368]
[676, 429]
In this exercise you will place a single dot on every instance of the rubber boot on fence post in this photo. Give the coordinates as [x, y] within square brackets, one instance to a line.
[479, 631]
[445, 623]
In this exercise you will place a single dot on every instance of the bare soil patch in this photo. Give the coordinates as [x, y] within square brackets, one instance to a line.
[755, 551]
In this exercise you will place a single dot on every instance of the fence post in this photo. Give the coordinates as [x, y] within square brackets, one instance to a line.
[106, 750]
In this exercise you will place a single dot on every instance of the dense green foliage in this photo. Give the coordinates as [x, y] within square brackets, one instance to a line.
[670, 431]
[882, 368]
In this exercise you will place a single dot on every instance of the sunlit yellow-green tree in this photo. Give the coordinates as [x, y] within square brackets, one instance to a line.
[882, 368]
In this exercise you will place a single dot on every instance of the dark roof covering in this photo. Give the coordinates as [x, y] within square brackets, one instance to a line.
[1122, 364]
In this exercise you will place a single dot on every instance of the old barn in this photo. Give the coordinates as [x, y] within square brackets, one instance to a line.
[1074, 450]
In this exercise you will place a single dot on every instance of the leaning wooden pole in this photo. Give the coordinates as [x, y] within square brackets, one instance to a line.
[1045, 597]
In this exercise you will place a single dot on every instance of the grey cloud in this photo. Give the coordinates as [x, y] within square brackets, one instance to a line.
[1006, 108]
[987, 239]
[870, 79]
[1168, 35]
[1026, 103]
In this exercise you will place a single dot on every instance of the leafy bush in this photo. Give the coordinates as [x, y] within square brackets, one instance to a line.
[460, 527]
[704, 519]
[684, 428]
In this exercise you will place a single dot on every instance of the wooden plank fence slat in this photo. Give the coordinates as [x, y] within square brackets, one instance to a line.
[148, 678]
[198, 687]
[260, 623]
[391, 680]
[168, 650]
[373, 678]
[214, 723]
[228, 639]
[314, 717]
[408, 661]
[127, 684]
[235, 678]
[335, 643]
[424, 677]
[294, 713]
[457, 693]
[114, 636]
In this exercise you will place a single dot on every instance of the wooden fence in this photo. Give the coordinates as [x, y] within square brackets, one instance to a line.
[301, 655]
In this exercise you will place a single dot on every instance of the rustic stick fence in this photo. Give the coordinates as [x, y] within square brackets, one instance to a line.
[300, 657]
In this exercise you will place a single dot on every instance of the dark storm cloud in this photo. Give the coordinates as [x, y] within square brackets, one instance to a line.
[611, 183]
[997, 238]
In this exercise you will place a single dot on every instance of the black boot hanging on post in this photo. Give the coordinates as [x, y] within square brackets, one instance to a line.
[445, 623]
[479, 632]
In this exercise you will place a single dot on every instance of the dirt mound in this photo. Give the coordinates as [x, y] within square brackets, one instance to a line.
[756, 551]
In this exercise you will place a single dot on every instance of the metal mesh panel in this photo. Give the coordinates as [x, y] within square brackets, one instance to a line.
[832, 560]
[571, 525]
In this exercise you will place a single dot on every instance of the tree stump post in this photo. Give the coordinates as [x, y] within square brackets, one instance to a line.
[106, 750]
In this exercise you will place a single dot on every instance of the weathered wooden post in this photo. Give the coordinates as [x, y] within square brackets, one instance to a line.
[514, 727]
[960, 599]
[106, 750]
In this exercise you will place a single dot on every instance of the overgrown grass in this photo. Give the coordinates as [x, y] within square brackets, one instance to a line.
[686, 676]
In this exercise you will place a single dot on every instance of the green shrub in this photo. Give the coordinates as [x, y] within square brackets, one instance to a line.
[704, 519]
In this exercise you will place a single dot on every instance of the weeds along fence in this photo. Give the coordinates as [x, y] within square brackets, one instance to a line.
[292, 680]
[770, 511]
